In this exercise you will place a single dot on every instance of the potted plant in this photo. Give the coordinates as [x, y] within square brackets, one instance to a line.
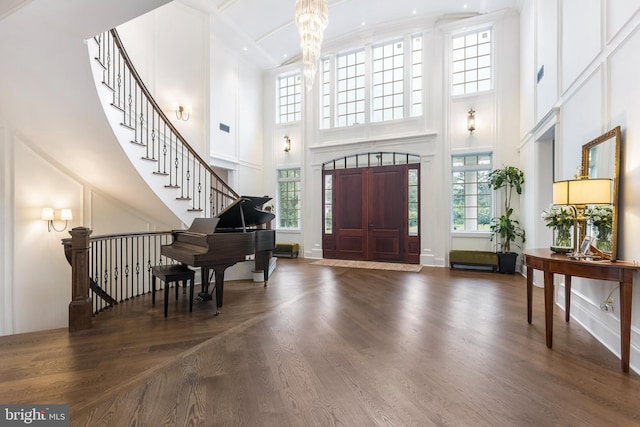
[505, 228]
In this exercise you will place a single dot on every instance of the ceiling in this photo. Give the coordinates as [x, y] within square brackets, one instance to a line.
[266, 29]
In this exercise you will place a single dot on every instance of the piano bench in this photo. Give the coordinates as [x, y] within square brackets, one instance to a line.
[287, 249]
[169, 274]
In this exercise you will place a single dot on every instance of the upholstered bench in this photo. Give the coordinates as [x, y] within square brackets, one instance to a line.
[286, 249]
[168, 274]
[473, 259]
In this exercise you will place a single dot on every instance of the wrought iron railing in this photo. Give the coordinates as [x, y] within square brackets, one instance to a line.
[119, 266]
[175, 159]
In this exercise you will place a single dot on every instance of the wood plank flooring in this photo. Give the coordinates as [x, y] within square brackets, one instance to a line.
[329, 346]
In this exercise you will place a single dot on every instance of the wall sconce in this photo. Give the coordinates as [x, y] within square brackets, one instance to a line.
[471, 121]
[287, 144]
[49, 216]
[182, 113]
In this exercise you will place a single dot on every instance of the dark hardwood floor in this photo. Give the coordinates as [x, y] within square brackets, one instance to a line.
[323, 346]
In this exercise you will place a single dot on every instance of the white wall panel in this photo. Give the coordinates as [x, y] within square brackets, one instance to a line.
[581, 121]
[44, 283]
[546, 57]
[580, 37]
[619, 12]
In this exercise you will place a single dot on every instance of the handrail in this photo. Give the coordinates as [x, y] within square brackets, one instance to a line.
[157, 108]
[184, 168]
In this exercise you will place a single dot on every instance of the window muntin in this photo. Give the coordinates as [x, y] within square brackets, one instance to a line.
[471, 62]
[289, 198]
[387, 99]
[471, 195]
[289, 98]
[350, 93]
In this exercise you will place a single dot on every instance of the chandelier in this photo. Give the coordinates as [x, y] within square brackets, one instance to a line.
[312, 17]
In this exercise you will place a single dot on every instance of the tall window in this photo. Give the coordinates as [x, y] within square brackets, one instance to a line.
[325, 94]
[393, 74]
[416, 75]
[289, 198]
[471, 195]
[471, 62]
[289, 98]
[350, 88]
[388, 81]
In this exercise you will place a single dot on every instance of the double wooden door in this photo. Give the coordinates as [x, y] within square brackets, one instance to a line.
[369, 215]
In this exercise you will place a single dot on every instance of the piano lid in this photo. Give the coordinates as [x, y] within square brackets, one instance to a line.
[244, 212]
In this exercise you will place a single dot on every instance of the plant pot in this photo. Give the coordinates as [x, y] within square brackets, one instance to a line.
[507, 262]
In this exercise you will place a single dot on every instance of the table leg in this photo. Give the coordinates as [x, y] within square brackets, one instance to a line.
[529, 292]
[548, 307]
[625, 323]
[567, 297]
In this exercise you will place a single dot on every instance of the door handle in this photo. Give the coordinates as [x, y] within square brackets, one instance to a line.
[370, 226]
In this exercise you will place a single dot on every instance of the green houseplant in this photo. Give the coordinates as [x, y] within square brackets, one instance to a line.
[505, 228]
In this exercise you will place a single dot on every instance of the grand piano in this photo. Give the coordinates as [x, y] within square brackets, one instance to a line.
[218, 243]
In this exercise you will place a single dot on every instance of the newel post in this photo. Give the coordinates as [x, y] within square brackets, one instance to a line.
[80, 305]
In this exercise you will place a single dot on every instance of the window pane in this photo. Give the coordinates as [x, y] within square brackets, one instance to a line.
[289, 98]
[471, 62]
[471, 197]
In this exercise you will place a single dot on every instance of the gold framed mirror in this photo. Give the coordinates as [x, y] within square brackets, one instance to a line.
[601, 159]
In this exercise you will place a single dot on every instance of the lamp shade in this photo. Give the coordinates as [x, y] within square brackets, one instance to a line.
[66, 215]
[582, 192]
[47, 214]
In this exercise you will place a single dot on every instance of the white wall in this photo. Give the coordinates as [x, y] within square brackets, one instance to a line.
[598, 68]
[37, 278]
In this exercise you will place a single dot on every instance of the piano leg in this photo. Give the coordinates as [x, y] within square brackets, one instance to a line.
[204, 295]
[265, 266]
[219, 270]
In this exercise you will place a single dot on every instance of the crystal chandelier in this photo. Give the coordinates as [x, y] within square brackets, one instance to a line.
[311, 20]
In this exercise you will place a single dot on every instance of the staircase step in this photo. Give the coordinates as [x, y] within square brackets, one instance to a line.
[194, 210]
[151, 160]
[127, 126]
[171, 186]
[142, 144]
[100, 63]
[117, 107]
[108, 87]
[183, 198]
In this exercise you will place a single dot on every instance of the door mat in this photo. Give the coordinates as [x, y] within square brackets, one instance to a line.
[369, 264]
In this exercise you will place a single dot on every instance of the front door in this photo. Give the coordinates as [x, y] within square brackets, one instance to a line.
[366, 214]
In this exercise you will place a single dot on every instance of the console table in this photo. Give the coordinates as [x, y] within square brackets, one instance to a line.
[551, 263]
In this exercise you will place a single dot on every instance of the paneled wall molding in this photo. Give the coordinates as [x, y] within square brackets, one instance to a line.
[6, 227]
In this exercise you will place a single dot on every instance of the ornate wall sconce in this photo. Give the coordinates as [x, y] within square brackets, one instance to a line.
[287, 144]
[48, 215]
[471, 121]
[182, 113]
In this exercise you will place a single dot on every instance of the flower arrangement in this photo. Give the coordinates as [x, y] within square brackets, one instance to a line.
[561, 220]
[558, 217]
[601, 218]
